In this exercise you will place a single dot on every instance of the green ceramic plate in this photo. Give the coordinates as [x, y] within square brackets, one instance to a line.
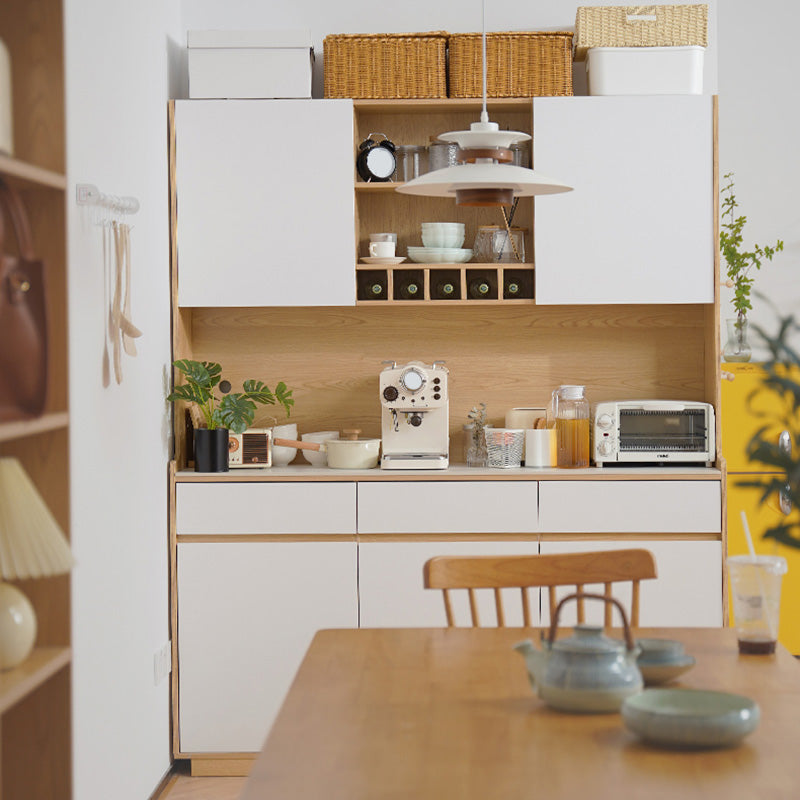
[655, 674]
[690, 718]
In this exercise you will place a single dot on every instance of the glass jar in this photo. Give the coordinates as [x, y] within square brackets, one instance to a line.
[411, 161]
[475, 453]
[737, 348]
[571, 413]
[493, 245]
[441, 154]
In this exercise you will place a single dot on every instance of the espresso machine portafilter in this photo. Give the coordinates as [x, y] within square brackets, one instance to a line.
[414, 416]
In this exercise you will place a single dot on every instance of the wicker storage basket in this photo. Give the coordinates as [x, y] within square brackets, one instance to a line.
[640, 26]
[518, 64]
[386, 65]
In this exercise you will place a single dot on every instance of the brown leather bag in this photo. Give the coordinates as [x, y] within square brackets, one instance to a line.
[23, 318]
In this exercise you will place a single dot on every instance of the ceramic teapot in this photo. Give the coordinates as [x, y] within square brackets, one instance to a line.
[587, 672]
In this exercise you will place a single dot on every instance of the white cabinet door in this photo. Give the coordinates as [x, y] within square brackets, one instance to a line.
[686, 593]
[391, 593]
[617, 506]
[259, 508]
[265, 202]
[447, 507]
[246, 614]
[638, 225]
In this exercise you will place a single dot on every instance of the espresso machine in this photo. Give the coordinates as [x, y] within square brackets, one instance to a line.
[414, 416]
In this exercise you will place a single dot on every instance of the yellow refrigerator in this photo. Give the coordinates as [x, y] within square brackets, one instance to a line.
[739, 422]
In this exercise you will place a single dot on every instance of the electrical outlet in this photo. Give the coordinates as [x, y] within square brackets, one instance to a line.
[162, 662]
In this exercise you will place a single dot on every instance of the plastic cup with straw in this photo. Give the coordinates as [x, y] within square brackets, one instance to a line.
[756, 588]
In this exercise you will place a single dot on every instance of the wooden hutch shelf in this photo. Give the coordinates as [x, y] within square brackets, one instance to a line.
[25, 175]
[37, 669]
[47, 422]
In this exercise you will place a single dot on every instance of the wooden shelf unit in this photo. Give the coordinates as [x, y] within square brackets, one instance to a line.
[35, 697]
[380, 208]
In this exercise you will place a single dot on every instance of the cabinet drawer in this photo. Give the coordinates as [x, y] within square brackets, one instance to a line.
[448, 507]
[253, 508]
[630, 507]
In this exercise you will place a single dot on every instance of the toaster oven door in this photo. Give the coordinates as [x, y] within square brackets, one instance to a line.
[663, 431]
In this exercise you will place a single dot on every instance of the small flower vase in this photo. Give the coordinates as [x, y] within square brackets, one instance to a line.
[477, 455]
[737, 348]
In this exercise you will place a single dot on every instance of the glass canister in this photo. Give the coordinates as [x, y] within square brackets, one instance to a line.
[411, 161]
[494, 245]
[571, 413]
[441, 154]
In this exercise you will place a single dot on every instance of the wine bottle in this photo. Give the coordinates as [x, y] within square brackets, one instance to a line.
[517, 284]
[372, 285]
[446, 290]
[481, 287]
[410, 288]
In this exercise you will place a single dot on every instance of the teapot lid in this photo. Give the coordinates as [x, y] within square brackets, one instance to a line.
[588, 640]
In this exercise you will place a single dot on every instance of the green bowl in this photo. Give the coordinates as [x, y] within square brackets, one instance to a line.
[690, 718]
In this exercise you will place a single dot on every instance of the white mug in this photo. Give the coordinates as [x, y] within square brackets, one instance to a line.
[540, 447]
[381, 249]
[383, 237]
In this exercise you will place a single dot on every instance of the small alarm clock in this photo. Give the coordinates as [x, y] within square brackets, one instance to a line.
[376, 160]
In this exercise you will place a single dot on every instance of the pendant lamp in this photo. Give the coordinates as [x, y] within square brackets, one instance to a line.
[486, 178]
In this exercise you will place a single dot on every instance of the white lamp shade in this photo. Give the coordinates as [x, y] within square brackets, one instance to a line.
[17, 626]
[32, 545]
[446, 182]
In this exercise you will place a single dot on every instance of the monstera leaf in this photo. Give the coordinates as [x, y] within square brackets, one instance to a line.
[236, 412]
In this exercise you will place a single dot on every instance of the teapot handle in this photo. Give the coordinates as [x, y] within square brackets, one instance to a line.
[554, 624]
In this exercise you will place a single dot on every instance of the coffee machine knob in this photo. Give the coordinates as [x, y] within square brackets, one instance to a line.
[412, 379]
[390, 393]
[415, 420]
[605, 448]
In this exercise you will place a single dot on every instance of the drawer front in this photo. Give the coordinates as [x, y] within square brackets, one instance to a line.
[630, 507]
[448, 507]
[258, 508]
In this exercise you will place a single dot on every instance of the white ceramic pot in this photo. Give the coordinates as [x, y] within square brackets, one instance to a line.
[281, 456]
[353, 453]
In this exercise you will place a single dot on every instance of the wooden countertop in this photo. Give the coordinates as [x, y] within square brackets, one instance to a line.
[457, 472]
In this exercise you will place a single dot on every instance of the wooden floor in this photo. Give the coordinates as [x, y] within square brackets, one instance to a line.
[184, 787]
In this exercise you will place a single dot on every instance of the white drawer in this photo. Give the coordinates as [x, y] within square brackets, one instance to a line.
[448, 507]
[253, 508]
[630, 507]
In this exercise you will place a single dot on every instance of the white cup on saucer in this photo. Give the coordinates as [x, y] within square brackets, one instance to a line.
[381, 249]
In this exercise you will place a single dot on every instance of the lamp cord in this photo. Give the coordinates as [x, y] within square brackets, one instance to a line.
[484, 112]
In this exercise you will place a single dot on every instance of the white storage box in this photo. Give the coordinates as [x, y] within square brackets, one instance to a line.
[249, 64]
[644, 70]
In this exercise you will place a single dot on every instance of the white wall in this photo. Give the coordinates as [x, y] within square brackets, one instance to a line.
[117, 90]
[759, 119]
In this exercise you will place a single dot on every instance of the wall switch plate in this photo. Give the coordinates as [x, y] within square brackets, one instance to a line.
[162, 662]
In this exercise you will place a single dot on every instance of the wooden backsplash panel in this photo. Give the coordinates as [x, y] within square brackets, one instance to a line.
[503, 356]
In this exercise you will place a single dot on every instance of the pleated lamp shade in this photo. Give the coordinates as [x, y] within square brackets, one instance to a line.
[32, 545]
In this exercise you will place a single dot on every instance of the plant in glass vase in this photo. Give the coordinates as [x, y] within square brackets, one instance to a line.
[477, 455]
[740, 264]
[233, 411]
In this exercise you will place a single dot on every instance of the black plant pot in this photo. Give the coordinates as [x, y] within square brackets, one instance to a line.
[211, 450]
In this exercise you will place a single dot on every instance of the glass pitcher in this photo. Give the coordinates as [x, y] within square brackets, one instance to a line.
[571, 414]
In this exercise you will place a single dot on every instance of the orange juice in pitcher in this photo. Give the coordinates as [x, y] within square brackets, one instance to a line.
[571, 413]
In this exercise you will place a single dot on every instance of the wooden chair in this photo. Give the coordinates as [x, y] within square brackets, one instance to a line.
[528, 571]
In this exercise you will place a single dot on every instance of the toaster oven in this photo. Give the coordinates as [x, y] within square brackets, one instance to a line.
[653, 432]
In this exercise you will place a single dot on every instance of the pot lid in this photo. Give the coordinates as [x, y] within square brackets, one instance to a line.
[589, 640]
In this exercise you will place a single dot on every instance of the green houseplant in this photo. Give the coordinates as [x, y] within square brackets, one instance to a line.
[782, 456]
[233, 411]
[740, 265]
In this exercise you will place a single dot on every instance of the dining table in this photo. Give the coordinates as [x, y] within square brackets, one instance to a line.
[449, 713]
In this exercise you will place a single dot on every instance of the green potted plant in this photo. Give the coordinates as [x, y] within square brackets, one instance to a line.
[233, 411]
[740, 264]
[782, 456]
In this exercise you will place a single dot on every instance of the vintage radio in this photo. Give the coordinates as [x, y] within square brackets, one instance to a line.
[253, 448]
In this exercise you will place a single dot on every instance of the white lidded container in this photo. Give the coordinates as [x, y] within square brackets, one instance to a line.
[645, 70]
[250, 64]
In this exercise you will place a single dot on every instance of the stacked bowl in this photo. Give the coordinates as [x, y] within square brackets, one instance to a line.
[441, 244]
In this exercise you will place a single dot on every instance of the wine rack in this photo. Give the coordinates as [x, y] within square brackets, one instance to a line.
[444, 284]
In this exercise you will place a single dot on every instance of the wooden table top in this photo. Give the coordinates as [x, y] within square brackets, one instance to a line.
[449, 713]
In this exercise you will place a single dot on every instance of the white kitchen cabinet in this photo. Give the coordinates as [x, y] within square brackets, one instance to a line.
[687, 591]
[391, 593]
[638, 225]
[265, 207]
[616, 506]
[247, 612]
[208, 509]
[447, 507]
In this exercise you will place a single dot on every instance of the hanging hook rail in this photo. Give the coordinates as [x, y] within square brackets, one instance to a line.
[88, 195]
